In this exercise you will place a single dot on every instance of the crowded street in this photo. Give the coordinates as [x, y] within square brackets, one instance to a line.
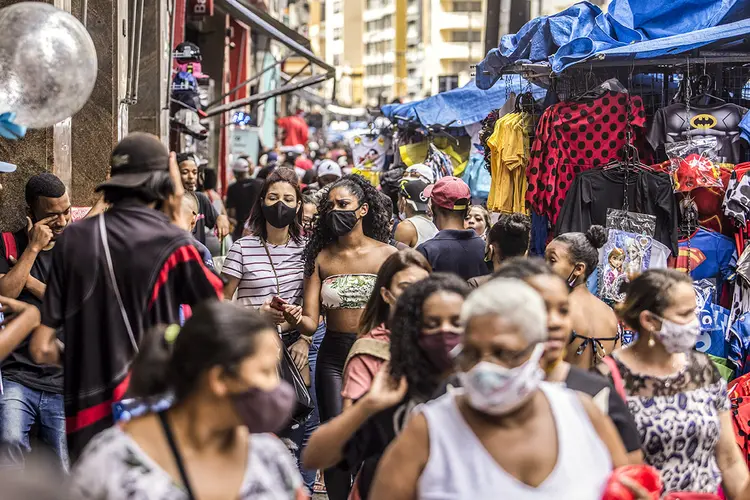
[375, 249]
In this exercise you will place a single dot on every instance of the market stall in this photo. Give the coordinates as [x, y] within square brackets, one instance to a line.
[643, 130]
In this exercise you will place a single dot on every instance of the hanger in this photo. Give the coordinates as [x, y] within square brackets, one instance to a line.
[524, 102]
[702, 97]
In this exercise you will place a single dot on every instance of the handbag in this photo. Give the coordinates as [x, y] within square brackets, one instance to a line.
[288, 371]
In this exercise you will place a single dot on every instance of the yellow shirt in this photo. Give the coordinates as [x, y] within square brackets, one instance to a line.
[509, 147]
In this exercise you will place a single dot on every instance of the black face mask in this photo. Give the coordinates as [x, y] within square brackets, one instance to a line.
[279, 215]
[341, 222]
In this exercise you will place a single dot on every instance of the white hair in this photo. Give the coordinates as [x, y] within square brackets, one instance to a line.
[513, 300]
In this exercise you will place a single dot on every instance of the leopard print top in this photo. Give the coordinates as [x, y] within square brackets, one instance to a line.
[678, 422]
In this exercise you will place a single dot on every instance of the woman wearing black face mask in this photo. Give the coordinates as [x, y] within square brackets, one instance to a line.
[221, 369]
[574, 256]
[424, 329]
[342, 259]
[269, 262]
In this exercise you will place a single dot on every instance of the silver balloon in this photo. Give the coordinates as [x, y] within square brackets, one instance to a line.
[47, 64]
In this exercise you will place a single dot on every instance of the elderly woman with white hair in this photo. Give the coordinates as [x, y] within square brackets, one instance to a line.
[506, 433]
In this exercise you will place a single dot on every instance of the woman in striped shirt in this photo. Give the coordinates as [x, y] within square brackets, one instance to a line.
[269, 263]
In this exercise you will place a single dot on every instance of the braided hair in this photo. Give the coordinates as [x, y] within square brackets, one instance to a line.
[407, 358]
[375, 224]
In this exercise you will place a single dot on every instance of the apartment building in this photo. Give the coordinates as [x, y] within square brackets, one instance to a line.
[454, 42]
[342, 24]
[379, 36]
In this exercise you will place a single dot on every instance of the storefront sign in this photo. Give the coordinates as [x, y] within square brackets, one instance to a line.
[198, 8]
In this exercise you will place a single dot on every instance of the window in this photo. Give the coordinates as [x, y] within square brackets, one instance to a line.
[467, 6]
[336, 6]
[466, 36]
[337, 33]
[337, 59]
[447, 82]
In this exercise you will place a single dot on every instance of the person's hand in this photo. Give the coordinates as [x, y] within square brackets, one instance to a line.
[272, 314]
[173, 204]
[292, 314]
[299, 351]
[12, 308]
[638, 491]
[385, 391]
[222, 226]
[40, 233]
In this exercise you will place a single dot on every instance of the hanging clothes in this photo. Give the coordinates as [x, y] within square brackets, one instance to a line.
[573, 137]
[675, 123]
[509, 144]
[708, 255]
[595, 191]
[439, 162]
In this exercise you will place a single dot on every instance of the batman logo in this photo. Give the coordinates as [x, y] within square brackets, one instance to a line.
[704, 121]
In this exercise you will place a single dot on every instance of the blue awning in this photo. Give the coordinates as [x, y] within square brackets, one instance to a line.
[462, 106]
[632, 29]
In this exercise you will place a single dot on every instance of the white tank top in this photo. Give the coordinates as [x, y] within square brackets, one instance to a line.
[460, 467]
[426, 229]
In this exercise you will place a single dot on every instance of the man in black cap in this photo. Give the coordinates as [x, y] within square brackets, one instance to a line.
[416, 225]
[112, 278]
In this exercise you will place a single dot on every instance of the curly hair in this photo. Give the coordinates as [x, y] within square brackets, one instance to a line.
[375, 223]
[407, 358]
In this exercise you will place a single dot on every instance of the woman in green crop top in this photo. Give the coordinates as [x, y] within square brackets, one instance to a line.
[342, 259]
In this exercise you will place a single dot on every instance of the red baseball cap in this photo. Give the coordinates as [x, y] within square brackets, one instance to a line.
[449, 192]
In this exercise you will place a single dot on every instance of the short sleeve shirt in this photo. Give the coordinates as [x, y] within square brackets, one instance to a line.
[248, 261]
[206, 217]
[113, 466]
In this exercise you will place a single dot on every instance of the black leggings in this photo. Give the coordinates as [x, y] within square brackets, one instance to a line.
[329, 380]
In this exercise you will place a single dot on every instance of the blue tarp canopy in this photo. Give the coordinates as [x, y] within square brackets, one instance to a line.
[632, 29]
[462, 106]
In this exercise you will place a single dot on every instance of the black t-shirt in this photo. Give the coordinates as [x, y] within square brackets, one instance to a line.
[157, 268]
[458, 251]
[18, 366]
[674, 123]
[595, 191]
[242, 197]
[206, 217]
[594, 385]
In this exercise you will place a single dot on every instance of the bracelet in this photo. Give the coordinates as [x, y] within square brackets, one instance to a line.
[307, 338]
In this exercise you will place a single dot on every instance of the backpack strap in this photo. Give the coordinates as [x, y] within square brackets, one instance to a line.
[377, 348]
[11, 250]
[616, 377]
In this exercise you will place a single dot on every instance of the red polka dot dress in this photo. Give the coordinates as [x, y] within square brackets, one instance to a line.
[573, 137]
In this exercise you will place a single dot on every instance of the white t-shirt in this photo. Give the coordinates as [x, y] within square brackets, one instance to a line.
[248, 261]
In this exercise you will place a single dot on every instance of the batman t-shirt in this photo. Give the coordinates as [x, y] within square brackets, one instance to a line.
[675, 123]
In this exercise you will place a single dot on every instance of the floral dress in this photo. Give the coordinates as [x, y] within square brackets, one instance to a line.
[678, 421]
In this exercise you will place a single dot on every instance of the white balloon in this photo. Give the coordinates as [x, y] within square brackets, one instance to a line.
[47, 64]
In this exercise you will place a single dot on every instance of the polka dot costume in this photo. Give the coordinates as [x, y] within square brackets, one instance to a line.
[573, 137]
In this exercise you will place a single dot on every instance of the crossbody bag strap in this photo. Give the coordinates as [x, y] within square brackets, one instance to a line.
[113, 279]
[176, 453]
[273, 268]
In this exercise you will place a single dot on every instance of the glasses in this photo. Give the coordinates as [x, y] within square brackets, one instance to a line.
[466, 357]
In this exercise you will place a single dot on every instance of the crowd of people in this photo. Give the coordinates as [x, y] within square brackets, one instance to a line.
[141, 346]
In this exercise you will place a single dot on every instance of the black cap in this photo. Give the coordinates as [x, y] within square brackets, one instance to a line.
[413, 190]
[135, 159]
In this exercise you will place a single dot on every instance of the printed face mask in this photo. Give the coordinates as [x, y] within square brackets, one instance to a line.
[495, 390]
[438, 346]
[341, 222]
[265, 411]
[678, 338]
[279, 215]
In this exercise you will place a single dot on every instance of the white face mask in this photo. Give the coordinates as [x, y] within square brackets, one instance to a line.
[677, 338]
[496, 390]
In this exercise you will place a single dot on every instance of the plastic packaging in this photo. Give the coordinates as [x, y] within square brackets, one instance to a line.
[694, 164]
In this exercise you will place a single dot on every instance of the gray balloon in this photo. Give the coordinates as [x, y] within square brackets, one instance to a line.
[47, 64]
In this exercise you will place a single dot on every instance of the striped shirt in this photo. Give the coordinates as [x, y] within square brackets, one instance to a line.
[248, 261]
